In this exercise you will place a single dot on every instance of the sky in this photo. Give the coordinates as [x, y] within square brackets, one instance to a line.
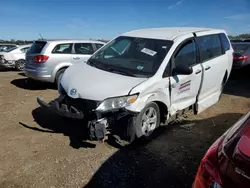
[85, 19]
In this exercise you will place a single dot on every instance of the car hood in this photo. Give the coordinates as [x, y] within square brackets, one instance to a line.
[87, 82]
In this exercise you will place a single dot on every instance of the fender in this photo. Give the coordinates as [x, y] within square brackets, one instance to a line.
[58, 67]
[155, 96]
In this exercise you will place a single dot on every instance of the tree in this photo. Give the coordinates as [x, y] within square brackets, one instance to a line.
[241, 36]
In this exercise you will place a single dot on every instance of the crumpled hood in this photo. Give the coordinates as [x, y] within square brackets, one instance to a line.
[87, 82]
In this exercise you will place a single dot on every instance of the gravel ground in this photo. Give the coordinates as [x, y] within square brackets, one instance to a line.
[39, 149]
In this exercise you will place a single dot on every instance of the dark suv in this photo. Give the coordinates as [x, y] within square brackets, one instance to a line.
[241, 53]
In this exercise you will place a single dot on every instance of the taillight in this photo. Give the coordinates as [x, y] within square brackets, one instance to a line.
[40, 58]
[242, 58]
[208, 174]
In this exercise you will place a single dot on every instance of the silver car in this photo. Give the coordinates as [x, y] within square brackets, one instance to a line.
[46, 60]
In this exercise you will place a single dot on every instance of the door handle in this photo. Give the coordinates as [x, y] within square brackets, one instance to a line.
[76, 58]
[207, 68]
[198, 72]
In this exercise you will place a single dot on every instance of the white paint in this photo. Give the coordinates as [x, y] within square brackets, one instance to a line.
[16, 54]
[95, 84]
[208, 101]
[169, 33]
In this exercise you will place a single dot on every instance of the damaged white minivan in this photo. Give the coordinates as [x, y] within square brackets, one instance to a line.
[144, 77]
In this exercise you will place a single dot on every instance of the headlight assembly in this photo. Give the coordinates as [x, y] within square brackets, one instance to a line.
[115, 103]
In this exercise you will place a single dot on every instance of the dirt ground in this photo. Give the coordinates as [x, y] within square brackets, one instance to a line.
[39, 149]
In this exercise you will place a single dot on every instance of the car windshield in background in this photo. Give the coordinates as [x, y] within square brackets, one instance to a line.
[138, 57]
[4, 48]
[37, 47]
[10, 49]
[241, 47]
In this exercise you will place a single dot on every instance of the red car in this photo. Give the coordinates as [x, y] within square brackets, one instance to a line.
[227, 162]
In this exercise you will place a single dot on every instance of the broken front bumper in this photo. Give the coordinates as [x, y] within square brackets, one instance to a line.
[60, 108]
[99, 124]
[6, 64]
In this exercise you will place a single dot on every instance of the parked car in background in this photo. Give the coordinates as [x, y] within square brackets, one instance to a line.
[48, 59]
[241, 53]
[143, 77]
[14, 57]
[5, 47]
[227, 161]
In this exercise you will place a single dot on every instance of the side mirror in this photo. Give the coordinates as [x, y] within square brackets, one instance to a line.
[182, 70]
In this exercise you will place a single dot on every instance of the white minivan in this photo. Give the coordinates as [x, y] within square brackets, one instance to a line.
[144, 77]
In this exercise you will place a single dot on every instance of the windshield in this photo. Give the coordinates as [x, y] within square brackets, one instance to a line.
[138, 57]
[36, 47]
[11, 49]
[4, 48]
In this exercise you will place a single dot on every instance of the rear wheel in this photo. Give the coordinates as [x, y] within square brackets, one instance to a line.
[59, 76]
[223, 83]
[19, 65]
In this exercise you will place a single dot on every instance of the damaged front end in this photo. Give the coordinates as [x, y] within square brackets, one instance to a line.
[100, 124]
[5, 63]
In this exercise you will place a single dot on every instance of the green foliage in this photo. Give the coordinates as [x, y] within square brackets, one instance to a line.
[18, 42]
[241, 36]
[21, 42]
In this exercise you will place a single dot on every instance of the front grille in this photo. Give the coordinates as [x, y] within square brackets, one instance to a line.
[82, 104]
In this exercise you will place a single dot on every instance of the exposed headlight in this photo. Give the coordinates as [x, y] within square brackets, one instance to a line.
[115, 103]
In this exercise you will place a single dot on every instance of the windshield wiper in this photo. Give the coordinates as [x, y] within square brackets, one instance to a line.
[92, 63]
[119, 71]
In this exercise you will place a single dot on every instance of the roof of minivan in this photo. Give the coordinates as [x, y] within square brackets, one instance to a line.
[168, 33]
[70, 40]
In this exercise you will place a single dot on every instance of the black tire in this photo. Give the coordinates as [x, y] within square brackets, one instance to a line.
[139, 121]
[19, 65]
[133, 127]
[223, 83]
[58, 75]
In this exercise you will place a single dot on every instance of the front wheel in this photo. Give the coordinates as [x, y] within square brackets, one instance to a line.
[148, 120]
[19, 65]
[142, 125]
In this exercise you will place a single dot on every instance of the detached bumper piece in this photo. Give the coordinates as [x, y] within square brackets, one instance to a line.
[62, 109]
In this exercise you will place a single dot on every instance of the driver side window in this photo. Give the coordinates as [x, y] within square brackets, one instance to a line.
[186, 56]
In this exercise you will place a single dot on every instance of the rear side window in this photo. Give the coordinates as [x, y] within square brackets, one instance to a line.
[186, 55]
[24, 50]
[37, 47]
[63, 48]
[225, 42]
[98, 45]
[84, 48]
[210, 47]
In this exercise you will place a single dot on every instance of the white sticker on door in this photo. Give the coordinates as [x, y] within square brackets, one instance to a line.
[148, 51]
